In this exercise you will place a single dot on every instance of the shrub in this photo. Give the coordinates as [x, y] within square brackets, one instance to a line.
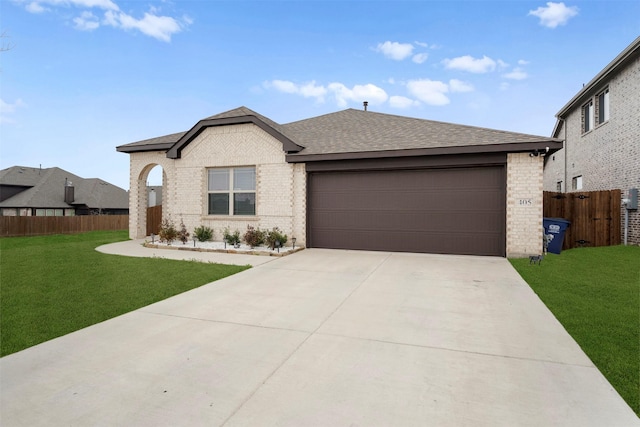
[183, 234]
[203, 234]
[231, 238]
[275, 236]
[168, 232]
[254, 236]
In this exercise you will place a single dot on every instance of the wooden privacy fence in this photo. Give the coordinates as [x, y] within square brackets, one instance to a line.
[154, 219]
[13, 226]
[594, 216]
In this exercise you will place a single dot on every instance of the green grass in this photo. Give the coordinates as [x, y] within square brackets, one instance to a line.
[595, 294]
[53, 285]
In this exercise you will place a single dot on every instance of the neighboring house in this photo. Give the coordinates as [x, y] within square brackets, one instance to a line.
[154, 195]
[600, 127]
[351, 180]
[26, 191]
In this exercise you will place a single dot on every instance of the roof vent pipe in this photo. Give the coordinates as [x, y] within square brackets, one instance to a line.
[365, 103]
[69, 191]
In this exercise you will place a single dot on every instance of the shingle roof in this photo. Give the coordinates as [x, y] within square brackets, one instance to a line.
[353, 131]
[356, 131]
[47, 189]
[630, 53]
[161, 143]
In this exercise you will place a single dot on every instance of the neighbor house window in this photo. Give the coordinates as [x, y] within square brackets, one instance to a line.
[602, 101]
[587, 117]
[576, 182]
[559, 186]
[232, 191]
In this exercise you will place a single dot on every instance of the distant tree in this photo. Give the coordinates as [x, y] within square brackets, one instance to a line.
[5, 44]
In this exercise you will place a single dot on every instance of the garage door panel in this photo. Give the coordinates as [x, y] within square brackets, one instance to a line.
[459, 210]
[425, 242]
[334, 221]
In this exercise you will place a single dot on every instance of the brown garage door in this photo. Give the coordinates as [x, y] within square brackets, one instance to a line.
[448, 211]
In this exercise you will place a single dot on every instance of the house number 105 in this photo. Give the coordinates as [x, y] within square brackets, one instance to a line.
[525, 202]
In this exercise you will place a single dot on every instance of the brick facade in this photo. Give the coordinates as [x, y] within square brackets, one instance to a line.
[280, 186]
[524, 205]
[608, 156]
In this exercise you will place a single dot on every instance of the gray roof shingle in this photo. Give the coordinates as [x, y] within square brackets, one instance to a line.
[47, 189]
[353, 131]
[358, 131]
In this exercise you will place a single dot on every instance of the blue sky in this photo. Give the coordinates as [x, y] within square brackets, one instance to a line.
[83, 76]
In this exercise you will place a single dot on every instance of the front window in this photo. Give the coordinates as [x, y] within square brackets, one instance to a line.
[587, 117]
[232, 191]
[603, 106]
[559, 186]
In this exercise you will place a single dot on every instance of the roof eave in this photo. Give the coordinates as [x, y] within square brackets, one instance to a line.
[144, 148]
[175, 152]
[547, 146]
[618, 62]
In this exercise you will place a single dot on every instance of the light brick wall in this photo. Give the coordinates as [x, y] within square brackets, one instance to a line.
[140, 164]
[280, 193]
[607, 157]
[524, 205]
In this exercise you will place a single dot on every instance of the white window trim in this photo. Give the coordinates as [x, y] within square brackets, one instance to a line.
[606, 94]
[576, 183]
[231, 215]
[588, 112]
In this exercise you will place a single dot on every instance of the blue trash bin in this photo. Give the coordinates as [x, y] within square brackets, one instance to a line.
[554, 229]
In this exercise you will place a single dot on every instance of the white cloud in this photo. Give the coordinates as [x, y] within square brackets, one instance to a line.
[37, 5]
[394, 50]
[516, 74]
[470, 64]
[523, 62]
[431, 92]
[419, 58]
[7, 109]
[87, 21]
[460, 86]
[505, 86]
[338, 91]
[282, 86]
[402, 102]
[151, 24]
[359, 93]
[554, 14]
[159, 27]
[502, 64]
[421, 44]
[308, 90]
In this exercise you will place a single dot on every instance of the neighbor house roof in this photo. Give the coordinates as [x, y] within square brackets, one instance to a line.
[629, 54]
[359, 134]
[45, 189]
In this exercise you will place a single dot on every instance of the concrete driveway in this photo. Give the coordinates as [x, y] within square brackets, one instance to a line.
[327, 338]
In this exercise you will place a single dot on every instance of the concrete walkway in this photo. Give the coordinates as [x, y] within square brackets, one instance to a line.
[322, 338]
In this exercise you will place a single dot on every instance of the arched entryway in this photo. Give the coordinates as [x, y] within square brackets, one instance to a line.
[149, 198]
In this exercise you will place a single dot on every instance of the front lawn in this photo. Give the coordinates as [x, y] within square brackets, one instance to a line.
[54, 285]
[595, 294]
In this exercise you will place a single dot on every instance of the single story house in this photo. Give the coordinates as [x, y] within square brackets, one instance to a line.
[353, 179]
[29, 191]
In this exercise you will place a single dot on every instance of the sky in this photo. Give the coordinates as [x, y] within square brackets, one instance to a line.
[80, 77]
